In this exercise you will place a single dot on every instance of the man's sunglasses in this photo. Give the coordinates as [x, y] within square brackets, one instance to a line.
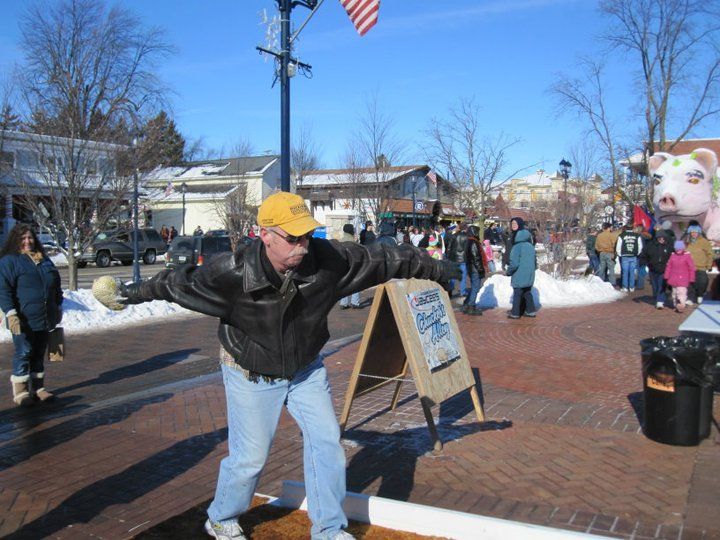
[290, 239]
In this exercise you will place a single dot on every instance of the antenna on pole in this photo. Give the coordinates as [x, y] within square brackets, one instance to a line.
[287, 68]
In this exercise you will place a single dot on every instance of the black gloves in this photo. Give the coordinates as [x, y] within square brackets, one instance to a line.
[127, 293]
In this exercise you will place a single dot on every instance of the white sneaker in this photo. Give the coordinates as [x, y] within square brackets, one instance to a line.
[689, 303]
[224, 530]
[659, 305]
[343, 535]
[700, 299]
[632, 289]
[623, 289]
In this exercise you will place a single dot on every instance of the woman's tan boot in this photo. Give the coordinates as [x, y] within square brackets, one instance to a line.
[38, 387]
[21, 390]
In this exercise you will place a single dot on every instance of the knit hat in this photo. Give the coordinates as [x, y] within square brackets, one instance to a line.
[666, 225]
[694, 228]
[679, 244]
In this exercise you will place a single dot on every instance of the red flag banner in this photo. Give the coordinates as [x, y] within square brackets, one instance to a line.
[640, 217]
[433, 177]
[362, 13]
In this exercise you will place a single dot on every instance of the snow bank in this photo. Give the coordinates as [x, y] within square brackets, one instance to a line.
[82, 313]
[549, 291]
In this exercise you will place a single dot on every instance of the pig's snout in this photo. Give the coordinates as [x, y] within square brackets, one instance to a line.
[667, 203]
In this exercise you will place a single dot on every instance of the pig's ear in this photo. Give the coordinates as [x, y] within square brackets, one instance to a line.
[657, 159]
[706, 158]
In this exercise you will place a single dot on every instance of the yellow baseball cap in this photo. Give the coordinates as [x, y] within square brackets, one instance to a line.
[287, 211]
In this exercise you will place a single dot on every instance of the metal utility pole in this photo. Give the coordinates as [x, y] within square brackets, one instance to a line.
[287, 68]
[136, 231]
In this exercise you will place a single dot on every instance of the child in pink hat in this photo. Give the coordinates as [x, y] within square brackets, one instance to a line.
[679, 274]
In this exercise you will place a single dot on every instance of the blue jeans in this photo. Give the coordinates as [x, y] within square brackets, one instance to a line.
[657, 282]
[628, 266]
[253, 410]
[463, 279]
[29, 354]
[642, 273]
[594, 262]
[520, 294]
[607, 264]
[352, 300]
[475, 286]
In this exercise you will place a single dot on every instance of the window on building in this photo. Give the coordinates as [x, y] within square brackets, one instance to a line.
[7, 160]
[91, 167]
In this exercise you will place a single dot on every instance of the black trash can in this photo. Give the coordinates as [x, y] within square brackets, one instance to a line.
[678, 388]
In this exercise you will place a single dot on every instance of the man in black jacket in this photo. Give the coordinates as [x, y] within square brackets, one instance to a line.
[273, 297]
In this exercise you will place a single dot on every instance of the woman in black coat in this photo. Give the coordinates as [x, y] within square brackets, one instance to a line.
[31, 300]
[656, 254]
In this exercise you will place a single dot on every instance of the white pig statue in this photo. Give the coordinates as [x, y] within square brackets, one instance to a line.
[685, 189]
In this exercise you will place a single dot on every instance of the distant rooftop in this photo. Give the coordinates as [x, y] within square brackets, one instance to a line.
[198, 170]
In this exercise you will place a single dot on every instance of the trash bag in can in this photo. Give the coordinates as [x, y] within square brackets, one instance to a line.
[677, 388]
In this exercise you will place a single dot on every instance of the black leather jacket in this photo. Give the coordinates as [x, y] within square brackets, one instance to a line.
[273, 327]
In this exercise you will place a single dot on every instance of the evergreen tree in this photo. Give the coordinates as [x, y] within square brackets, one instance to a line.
[162, 144]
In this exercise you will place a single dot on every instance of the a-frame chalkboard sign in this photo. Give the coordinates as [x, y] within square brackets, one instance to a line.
[411, 323]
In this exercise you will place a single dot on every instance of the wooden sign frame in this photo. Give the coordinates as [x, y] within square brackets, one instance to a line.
[391, 342]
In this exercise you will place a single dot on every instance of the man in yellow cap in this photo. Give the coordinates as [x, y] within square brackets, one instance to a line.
[273, 297]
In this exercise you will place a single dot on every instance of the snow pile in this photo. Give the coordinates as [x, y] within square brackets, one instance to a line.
[549, 291]
[82, 313]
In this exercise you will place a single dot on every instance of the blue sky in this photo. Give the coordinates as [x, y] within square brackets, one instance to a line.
[419, 60]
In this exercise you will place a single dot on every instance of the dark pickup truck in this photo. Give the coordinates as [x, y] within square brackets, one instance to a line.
[118, 246]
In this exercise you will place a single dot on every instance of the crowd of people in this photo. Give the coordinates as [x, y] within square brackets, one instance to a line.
[476, 256]
[670, 263]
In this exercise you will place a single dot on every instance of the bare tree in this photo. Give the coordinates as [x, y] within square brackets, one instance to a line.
[379, 149]
[586, 97]
[89, 73]
[304, 156]
[237, 212]
[475, 164]
[237, 209]
[676, 45]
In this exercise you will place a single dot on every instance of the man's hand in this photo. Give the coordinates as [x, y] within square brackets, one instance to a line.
[13, 323]
[451, 270]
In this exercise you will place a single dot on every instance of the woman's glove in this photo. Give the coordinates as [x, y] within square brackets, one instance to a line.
[13, 324]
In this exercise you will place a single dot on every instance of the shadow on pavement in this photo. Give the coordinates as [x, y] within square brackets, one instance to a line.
[123, 487]
[637, 400]
[29, 418]
[24, 447]
[392, 456]
[154, 363]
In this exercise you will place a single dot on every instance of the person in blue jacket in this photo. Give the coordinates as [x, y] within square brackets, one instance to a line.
[522, 271]
[31, 300]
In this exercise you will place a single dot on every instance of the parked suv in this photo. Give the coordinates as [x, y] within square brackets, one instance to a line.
[196, 250]
[118, 246]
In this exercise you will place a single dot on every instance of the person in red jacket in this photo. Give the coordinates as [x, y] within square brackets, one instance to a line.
[679, 274]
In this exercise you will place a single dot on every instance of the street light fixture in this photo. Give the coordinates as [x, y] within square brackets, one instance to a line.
[565, 167]
[183, 190]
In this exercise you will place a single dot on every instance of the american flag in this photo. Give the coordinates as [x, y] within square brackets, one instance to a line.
[363, 13]
[433, 177]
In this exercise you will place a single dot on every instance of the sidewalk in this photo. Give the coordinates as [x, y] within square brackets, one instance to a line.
[139, 429]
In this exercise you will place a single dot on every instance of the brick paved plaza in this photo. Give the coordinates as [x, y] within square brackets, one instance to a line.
[139, 427]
